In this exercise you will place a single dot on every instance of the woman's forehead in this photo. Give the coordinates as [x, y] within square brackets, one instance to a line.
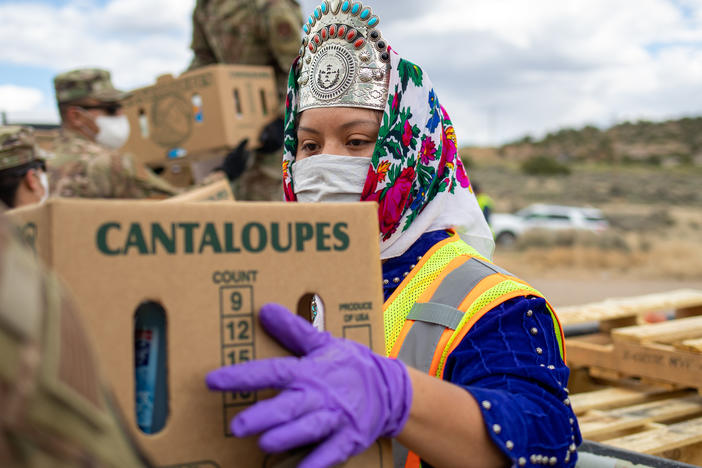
[336, 116]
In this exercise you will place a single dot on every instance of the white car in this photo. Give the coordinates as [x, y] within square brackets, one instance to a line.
[508, 227]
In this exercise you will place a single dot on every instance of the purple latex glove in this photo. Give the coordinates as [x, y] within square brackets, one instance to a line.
[337, 393]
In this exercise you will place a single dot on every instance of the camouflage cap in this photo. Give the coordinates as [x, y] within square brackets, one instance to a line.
[86, 83]
[16, 146]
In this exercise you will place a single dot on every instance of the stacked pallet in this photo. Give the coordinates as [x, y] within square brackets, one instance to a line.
[632, 309]
[654, 422]
[668, 352]
[648, 395]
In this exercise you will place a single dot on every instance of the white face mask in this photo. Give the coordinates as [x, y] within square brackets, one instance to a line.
[330, 178]
[113, 131]
[44, 181]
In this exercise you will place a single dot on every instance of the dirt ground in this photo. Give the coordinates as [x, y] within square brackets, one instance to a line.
[574, 276]
[566, 291]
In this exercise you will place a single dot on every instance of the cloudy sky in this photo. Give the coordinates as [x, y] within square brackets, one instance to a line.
[503, 68]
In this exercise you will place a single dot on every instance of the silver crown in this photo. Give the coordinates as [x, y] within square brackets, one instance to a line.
[344, 61]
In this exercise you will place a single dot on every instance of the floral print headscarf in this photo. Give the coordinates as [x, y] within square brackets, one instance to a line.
[416, 175]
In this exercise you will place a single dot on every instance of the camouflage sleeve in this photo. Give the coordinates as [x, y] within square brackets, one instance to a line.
[284, 25]
[96, 172]
[83, 169]
[114, 175]
[153, 186]
[128, 178]
[55, 408]
[202, 51]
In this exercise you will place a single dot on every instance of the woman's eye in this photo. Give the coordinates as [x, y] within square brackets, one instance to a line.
[310, 147]
[358, 142]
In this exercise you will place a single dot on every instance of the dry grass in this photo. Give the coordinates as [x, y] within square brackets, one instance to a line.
[676, 259]
[605, 241]
[632, 254]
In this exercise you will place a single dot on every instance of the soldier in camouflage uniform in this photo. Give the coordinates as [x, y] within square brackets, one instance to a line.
[82, 167]
[55, 410]
[23, 179]
[252, 32]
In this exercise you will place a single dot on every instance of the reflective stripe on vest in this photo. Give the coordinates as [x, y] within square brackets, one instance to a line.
[422, 276]
[439, 302]
[419, 344]
[458, 283]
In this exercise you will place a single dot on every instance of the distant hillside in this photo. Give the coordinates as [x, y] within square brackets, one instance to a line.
[672, 142]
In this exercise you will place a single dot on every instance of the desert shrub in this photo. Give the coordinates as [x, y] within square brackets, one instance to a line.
[570, 238]
[652, 221]
[582, 257]
[543, 165]
[685, 159]
[654, 160]
[467, 161]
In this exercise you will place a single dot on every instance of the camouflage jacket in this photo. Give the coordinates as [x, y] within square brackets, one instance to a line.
[250, 32]
[55, 409]
[84, 169]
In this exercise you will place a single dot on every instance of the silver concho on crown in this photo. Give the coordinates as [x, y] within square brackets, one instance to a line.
[344, 61]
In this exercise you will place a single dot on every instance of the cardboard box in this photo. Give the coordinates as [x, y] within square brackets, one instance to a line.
[177, 173]
[211, 266]
[217, 191]
[210, 108]
[188, 172]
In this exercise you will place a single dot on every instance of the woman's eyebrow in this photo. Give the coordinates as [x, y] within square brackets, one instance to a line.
[359, 122]
[308, 129]
[369, 123]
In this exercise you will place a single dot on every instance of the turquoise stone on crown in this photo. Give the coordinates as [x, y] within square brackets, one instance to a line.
[344, 60]
[365, 14]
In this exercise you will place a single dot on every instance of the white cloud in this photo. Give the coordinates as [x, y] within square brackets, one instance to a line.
[136, 40]
[43, 115]
[514, 67]
[503, 68]
[15, 98]
[24, 104]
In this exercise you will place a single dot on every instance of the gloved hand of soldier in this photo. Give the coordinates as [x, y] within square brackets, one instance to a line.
[236, 161]
[337, 393]
[272, 136]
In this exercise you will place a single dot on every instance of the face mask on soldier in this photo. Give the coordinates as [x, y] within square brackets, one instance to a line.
[44, 181]
[113, 131]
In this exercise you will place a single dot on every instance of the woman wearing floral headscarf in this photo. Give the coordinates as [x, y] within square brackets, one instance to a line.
[474, 373]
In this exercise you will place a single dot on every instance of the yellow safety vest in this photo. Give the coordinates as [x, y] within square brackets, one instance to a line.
[439, 301]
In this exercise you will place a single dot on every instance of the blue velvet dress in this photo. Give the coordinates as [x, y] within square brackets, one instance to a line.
[517, 376]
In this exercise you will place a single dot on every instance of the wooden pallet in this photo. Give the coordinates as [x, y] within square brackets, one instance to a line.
[668, 353]
[650, 421]
[630, 310]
